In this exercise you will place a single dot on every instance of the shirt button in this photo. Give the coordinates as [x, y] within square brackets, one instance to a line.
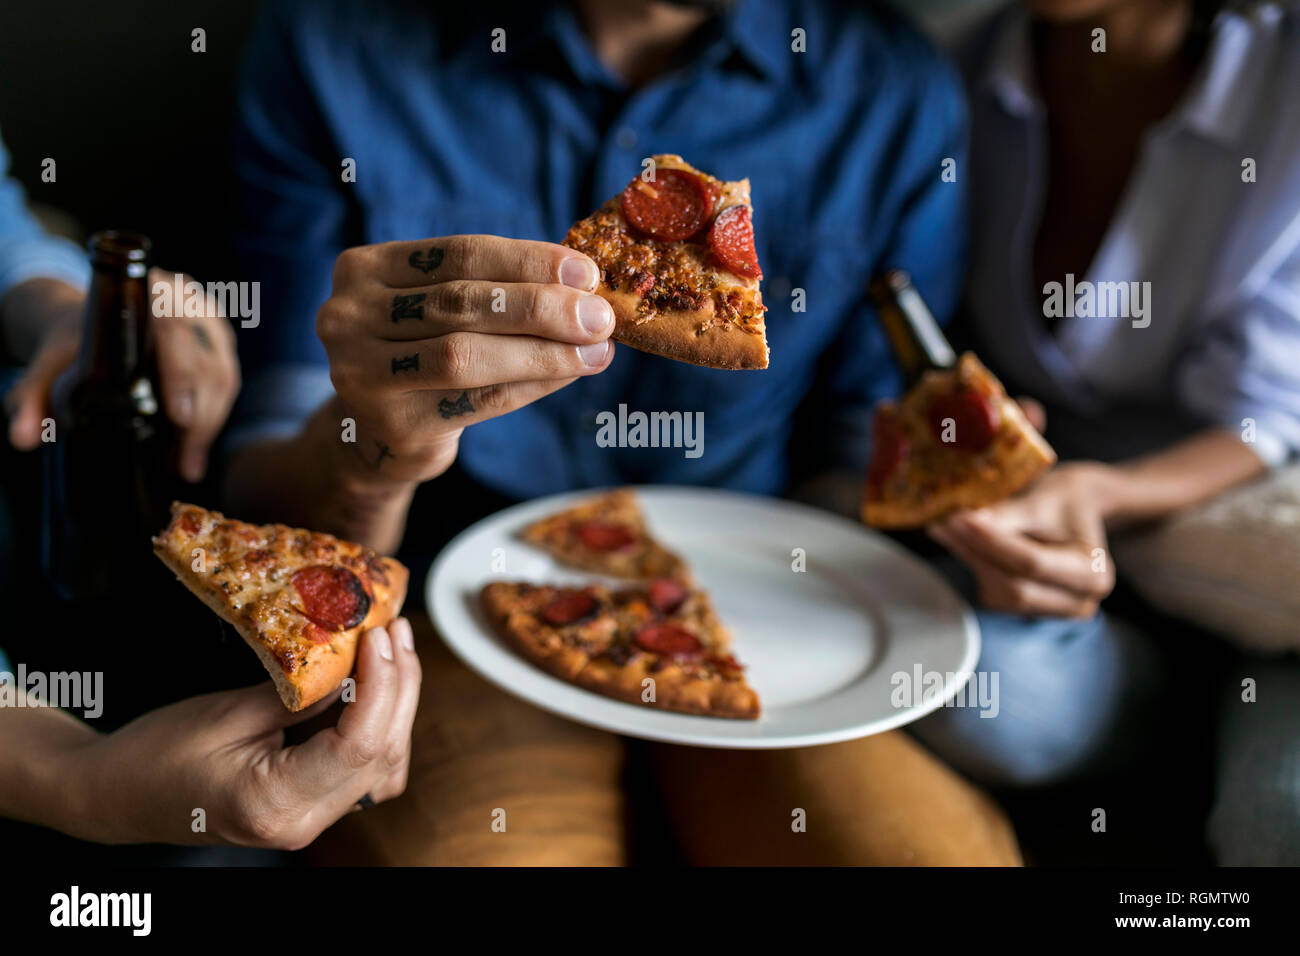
[625, 138]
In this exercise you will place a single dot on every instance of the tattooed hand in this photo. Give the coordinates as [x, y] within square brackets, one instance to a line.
[425, 338]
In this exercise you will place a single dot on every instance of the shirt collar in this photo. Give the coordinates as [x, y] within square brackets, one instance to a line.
[1010, 71]
[1240, 54]
[753, 32]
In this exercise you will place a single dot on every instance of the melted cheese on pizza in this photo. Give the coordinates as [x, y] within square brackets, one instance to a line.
[251, 568]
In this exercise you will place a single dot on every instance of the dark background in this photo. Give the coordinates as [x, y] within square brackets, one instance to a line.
[138, 125]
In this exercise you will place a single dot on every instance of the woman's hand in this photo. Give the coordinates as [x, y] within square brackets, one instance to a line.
[1042, 552]
[224, 754]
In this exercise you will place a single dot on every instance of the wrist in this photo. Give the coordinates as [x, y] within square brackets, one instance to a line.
[357, 464]
[1105, 485]
[361, 500]
[34, 310]
[80, 796]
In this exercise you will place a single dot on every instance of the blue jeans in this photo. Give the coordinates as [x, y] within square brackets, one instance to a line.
[1072, 699]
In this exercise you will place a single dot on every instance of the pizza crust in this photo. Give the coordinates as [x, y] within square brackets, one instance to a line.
[1018, 471]
[678, 334]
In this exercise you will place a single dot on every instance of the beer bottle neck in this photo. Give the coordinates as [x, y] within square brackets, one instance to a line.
[917, 341]
[116, 307]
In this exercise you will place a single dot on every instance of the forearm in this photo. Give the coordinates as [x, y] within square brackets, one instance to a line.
[316, 480]
[40, 781]
[30, 308]
[1187, 473]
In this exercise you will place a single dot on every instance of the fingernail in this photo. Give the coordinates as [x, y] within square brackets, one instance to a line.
[382, 642]
[595, 314]
[593, 355]
[405, 636]
[579, 273]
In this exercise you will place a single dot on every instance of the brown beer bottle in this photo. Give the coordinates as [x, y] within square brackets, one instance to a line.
[917, 341]
[108, 470]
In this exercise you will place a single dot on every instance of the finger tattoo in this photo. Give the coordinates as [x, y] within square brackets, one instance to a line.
[461, 406]
[202, 337]
[426, 262]
[407, 363]
[408, 306]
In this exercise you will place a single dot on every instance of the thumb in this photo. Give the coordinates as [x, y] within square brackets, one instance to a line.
[1034, 411]
[253, 712]
[28, 401]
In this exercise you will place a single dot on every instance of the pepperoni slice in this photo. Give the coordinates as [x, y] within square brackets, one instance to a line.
[731, 237]
[191, 521]
[715, 193]
[334, 598]
[603, 537]
[666, 595]
[671, 641]
[726, 662]
[675, 206]
[569, 608]
[317, 633]
[975, 419]
[891, 448]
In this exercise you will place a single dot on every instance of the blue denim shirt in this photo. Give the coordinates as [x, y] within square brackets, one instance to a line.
[840, 114]
[26, 251]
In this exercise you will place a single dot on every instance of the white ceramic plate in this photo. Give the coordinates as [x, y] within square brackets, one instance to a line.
[824, 647]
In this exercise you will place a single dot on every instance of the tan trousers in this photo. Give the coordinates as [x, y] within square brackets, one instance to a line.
[496, 781]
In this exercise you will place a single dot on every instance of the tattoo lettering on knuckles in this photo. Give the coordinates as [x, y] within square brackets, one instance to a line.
[427, 261]
[408, 307]
[202, 337]
[454, 409]
[406, 363]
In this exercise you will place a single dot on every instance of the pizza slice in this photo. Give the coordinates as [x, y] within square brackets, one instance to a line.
[607, 535]
[300, 599]
[955, 440]
[678, 265]
[658, 644]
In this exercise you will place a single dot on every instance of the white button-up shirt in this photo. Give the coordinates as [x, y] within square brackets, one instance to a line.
[1220, 340]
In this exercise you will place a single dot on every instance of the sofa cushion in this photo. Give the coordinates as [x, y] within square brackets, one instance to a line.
[1231, 565]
